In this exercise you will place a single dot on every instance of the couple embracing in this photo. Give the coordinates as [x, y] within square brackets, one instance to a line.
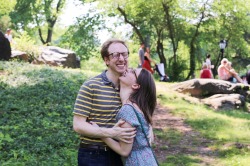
[113, 113]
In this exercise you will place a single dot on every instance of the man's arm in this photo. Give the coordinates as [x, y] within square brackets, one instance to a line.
[82, 127]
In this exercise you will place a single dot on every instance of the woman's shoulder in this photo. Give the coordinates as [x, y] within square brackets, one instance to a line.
[126, 109]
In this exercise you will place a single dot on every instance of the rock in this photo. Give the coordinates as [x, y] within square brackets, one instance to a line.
[215, 93]
[15, 54]
[208, 87]
[56, 56]
[225, 101]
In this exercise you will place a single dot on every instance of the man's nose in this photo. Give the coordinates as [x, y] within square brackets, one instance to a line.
[121, 57]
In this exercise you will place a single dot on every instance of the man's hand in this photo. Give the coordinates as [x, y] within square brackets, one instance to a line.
[151, 135]
[93, 124]
[123, 131]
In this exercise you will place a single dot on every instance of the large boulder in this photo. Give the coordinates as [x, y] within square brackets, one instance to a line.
[218, 94]
[15, 54]
[56, 56]
[208, 87]
[225, 101]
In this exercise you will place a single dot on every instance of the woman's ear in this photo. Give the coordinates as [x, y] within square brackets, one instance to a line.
[135, 86]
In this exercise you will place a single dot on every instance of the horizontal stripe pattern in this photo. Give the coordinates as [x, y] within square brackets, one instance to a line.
[99, 101]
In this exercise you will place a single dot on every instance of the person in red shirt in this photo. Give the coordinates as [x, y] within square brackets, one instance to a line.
[205, 72]
[147, 61]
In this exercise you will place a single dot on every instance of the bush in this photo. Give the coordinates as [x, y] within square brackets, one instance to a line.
[25, 43]
[36, 104]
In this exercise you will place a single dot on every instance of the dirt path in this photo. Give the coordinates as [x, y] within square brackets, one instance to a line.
[190, 143]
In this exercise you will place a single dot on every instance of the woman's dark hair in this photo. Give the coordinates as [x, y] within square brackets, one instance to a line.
[106, 44]
[145, 96]
[208, 55]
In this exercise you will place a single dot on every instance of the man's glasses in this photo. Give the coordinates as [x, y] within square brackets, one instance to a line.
[116, 55]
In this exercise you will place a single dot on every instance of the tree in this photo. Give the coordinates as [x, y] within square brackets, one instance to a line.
[38, 14]
[5, 9]
[81, 37]
[199, 23]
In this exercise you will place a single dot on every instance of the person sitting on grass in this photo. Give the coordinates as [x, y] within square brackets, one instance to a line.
[233, 73]
[206, 72]
[227, 73]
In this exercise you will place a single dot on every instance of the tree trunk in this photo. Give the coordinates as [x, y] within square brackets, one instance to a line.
[192, 43]
[142, 40]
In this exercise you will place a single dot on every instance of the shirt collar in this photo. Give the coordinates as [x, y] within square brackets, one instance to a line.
[105, 79]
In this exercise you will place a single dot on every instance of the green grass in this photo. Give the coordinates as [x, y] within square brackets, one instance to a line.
[170, 135]
[36, 103]
[222, 127]
[182, 160]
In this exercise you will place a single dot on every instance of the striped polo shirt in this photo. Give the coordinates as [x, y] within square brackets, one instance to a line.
[99, 101]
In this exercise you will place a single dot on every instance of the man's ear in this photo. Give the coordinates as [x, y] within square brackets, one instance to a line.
[106, 60]
[135, 86]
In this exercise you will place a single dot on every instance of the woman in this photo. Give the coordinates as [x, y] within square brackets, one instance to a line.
[147, 61]
[138, 96]
[233, 73]
[205, 72]
[227, 73]
[223, 71]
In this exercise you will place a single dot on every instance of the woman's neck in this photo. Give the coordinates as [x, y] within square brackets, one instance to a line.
[124, 94]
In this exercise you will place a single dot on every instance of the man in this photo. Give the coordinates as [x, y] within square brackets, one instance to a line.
[141, 55]
[98, 101]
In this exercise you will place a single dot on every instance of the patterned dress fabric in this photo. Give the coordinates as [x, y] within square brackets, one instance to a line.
[141, 154]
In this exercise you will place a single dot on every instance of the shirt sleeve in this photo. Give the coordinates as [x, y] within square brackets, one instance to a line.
[127, 113]
[83, 104]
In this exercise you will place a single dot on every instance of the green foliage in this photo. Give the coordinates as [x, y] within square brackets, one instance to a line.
[36, 104]
[5, 23]
[6, 7]
[81, 38]
[32, 15]
[25, 43]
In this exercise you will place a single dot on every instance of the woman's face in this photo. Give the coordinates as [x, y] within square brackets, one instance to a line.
[129, 77]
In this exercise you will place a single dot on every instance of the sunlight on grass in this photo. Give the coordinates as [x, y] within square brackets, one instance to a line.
[220, 126]
[181, 160]
[211, 123]
[236, 160]
[170, 135]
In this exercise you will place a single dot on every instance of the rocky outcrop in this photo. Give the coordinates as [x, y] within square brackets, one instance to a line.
[51, 55]
[15, 54]
[56, 56]
[225, 101]
[218, 94]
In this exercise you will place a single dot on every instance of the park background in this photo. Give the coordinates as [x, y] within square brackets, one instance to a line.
[36, 102]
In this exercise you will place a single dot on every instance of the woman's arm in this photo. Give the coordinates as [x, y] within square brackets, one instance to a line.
[120, 147]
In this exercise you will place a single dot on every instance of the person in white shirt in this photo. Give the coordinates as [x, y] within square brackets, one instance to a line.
[8, 35]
